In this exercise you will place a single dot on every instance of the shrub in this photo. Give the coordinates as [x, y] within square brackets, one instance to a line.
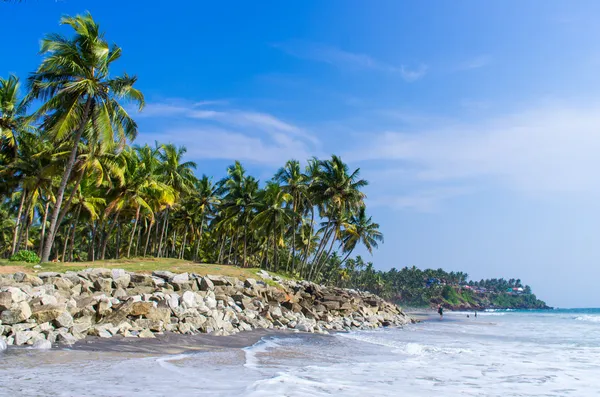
[25, 256]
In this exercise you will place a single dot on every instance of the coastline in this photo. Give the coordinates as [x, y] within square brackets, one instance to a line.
[85, 309]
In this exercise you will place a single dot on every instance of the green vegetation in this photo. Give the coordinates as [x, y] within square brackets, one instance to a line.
[74, 189]
[423, 288]
[25, 256]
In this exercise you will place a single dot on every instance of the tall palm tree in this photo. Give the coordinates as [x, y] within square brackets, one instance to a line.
[295, 183]
[337, 192]
[273, 215]
[75, 84]
[361, 229]
[240, 198]
[175, 173]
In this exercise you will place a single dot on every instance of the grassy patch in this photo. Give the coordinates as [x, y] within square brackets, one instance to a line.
[142, 265]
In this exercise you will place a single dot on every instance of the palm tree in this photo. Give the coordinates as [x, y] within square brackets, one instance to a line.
[13, 119]
[75, 84]
[203, 200]
[239, 200]
[336, 192]
[176, 174]
[273, 215]
[361, 229]
[295, 183]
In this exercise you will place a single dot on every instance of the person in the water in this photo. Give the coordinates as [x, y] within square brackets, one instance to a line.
[441, 311]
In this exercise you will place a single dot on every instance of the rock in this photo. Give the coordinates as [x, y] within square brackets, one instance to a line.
[165, 275]
[210, 302]
[173, 301]
[17, 313]
[82, 324]
[103, 284]
[206, 284]
[42, 345]
[101, 331]
[146, 333]
[119, 292]
[218, 280]
[65, 337]
[46, 313]
[2, 345]
[180, 278]
[188, 299]
[331, 305]
[142, 280]
[21, 337]
[62, 283]
[43, 275]
[122, 281]
[25, 278]
[5, 300]
[15, 294]
[302, 327]
[64, 320]
[141, 308]
[104, 308]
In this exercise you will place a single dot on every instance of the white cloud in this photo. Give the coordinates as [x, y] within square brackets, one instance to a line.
[209, 143]
[349, 60]
[229, 133]
[549, 148]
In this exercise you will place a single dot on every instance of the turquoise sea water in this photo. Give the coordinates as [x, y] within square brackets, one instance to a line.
[499, 353]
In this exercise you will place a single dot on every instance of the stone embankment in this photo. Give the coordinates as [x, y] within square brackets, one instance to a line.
[47, 308]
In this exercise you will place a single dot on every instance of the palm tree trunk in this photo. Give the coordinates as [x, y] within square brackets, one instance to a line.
[27, 234]
[66, 238]
[346, 257]
[328, 252]
[107, 236]
[182, 251]
[19, 213]
[63, 183]
[173, 244]
[73, 234]
[137, 216]
[274, 264]
[44, 227]
[245, 244]
[67, 205]
[220, 259]
[91, 250]
[118, 239]
[163, 232]
[230, 248]
[139, 240]
[199, 239]
[24, 223]
[148, 237]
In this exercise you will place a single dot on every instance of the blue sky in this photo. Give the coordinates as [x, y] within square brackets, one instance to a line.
[477, 123]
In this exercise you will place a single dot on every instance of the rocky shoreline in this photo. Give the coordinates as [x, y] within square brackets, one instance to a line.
[55, 308]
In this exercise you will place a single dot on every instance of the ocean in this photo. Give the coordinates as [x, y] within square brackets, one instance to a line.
[502, 353]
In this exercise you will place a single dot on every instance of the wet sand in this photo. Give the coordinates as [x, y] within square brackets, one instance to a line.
[171, 343]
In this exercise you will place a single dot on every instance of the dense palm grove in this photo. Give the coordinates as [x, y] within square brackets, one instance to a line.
[73, 189]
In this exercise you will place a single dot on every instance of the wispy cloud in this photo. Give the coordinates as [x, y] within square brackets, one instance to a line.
[550, 148]
[347, 60]
[428, 200]
[227, 133]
